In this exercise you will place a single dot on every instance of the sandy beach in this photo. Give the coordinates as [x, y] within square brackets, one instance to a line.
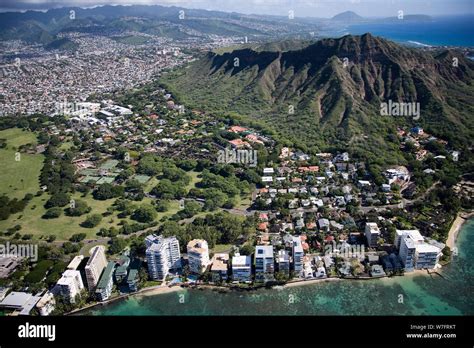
[455, 228]
[157, 291]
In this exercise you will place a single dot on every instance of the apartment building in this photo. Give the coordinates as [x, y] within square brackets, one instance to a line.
[47, 304]
[414, 252]
[427, 256]
[94, 267]
[162, 255]
[407, 253]
[372, 233]
[106, 283]
[241, 268]
[198, 256]
[264, 262]
[70, 285]
[298, 254]
[414, 235]
[219, 267]
[283, 261]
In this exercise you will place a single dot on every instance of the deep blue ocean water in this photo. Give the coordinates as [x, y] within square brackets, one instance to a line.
[441, 31]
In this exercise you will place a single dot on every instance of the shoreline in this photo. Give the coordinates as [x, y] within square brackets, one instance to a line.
[159, 290]
[459, 221]
[151, 291]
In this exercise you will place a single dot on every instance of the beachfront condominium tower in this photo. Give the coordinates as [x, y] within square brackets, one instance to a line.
[283, 261]
[70, 285]
[95, 265]
[241, 268]
[298, 254]
[198, 256]
[264, 262]
[407, 253]
[414, 252]
[162, 255]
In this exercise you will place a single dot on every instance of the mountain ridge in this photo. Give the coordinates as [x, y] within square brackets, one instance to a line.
[336, 86]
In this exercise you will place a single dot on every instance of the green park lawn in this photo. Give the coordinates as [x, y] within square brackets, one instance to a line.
[65, 226]
[19, 174]
[18, 178]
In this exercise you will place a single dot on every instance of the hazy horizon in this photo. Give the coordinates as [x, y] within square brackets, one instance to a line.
[301, 8]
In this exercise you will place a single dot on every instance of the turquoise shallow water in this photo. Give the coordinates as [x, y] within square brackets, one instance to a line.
[408, 295]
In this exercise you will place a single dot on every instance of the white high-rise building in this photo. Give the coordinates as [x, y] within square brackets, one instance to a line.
[198, 255]
[372, 233]
[94, 267]
[241, 268]
[162, 255]
[427, 256]
[407, 253]
[70, 285]
[414, 235]
[298, 254]
[414, 252]
[264, 262]
[283, 261]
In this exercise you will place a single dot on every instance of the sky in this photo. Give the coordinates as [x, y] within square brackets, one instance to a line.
[303, 8]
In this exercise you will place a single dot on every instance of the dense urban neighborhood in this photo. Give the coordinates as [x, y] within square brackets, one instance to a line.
[190, 199]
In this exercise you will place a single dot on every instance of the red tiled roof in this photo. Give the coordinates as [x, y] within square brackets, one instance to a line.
[239, 143]
[329, 238]
[237, 129]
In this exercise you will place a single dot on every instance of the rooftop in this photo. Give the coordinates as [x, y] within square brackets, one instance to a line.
[298, 247]
[264, 251]
[22, 301]
[427, 248]
[95, 252]
[106, 275]
[75, 262]
[414, 234]
[241, 261]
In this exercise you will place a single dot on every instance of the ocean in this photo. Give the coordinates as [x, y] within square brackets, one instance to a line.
[441, 31]
[407, 295]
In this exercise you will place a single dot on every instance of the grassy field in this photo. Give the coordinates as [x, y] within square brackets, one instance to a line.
[65, 226]
[220, 248]
[21, 177]
[19, 172]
